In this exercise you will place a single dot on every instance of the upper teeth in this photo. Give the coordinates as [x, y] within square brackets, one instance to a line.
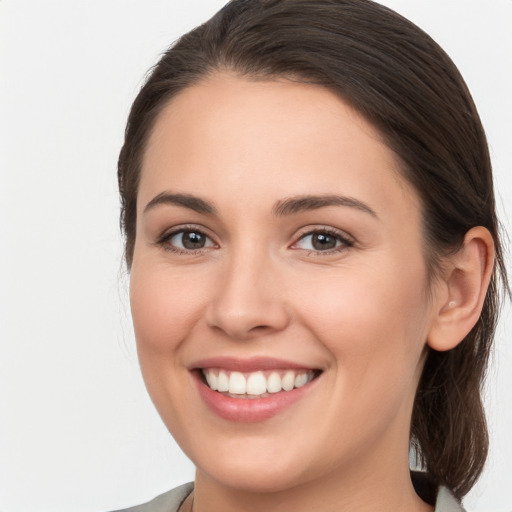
[256, 383]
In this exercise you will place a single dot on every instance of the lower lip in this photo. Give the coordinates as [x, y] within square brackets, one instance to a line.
[249, 410]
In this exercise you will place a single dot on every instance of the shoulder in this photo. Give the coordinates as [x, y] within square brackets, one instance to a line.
[446, 502]
[167, 502]
[441, 497]
[172, 500]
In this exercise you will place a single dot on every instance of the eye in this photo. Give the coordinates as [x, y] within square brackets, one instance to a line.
[322, 241]
[186, 240]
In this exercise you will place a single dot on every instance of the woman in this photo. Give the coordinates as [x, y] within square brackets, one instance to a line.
[314, 254]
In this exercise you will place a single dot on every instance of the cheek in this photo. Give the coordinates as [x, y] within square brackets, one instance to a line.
[374, 323]
[165, 305]
[165, 308]
[365, 298]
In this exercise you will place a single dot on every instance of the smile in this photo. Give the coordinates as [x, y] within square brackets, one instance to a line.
[258, 384]
[253, 390]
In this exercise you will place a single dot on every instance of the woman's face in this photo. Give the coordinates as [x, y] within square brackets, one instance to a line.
[279, 254]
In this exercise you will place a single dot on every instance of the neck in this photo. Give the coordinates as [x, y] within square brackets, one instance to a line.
[364, 491]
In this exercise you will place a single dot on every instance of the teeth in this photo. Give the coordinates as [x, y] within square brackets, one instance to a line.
[211, 378]
[256, 383]
[274, 383]
[222, 382]
[289, 381]
[237, 384]
[300, 380]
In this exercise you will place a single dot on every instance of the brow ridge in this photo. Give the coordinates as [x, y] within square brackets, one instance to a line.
[284, 207]
[185, 200]
[297, 204]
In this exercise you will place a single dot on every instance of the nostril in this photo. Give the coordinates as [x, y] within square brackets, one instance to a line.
[243, 316]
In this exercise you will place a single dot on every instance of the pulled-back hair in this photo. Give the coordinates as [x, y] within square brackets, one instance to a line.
[403, 83]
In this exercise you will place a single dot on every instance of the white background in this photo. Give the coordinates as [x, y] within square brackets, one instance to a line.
[77, 430]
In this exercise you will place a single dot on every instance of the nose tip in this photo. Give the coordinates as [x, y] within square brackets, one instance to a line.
[240, 324]
[247, 304]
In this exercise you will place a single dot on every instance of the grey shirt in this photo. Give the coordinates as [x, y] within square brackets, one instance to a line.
[172, 500]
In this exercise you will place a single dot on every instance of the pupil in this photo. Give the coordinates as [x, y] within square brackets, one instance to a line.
[193, 240]
[323, 242]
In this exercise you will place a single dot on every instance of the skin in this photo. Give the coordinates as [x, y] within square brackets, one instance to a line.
[362, 313]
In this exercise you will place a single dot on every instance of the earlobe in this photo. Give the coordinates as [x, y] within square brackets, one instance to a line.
[465, 287]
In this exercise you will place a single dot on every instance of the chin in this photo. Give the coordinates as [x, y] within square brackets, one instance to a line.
[261, 479]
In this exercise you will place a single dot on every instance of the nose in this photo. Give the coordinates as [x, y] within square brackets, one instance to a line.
[248, 301]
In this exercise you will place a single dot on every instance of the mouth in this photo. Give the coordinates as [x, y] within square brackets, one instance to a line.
[254, 390]
[256, 384]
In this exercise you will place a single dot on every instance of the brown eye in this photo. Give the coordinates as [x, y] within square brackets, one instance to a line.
[189, 240]
[323, 241]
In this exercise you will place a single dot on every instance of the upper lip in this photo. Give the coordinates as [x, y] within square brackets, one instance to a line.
[248, 365]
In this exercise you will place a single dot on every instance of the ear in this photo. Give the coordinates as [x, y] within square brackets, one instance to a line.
[462, 290]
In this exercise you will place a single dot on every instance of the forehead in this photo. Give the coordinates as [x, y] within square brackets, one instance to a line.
[228, 133]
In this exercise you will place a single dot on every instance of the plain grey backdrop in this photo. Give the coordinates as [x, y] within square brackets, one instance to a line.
[77, 430]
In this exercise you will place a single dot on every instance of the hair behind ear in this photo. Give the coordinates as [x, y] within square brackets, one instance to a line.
[448, 414]
[449, 417]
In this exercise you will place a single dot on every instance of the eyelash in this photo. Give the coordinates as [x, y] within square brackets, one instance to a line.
[345, 242]
[164, 241]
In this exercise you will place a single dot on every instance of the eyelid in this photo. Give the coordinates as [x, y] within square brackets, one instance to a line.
[164, 239]
[346, 240]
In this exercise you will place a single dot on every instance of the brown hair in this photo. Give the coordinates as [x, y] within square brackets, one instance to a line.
[403, 82]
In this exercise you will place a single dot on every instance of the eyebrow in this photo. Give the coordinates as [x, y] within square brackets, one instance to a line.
[185, 200]
[297, 204]
[284, 207]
